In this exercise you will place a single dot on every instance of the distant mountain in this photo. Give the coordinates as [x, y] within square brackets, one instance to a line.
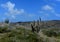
[52, 24]
[44, 24]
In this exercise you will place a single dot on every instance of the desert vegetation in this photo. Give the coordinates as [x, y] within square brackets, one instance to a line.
[18, 35]
[37, 32]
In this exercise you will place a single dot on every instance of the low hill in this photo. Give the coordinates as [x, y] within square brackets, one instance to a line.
[44, 24]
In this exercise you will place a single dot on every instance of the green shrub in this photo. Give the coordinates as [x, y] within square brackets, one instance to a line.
[20, 35]
[50, 33]
[4, 29]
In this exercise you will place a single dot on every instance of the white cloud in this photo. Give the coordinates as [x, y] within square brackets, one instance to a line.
[58, 15]
[47, 11]
[11, 10]
[31, 15]
[46, 14]
[40, 12]
[57, 0]
[47, 7]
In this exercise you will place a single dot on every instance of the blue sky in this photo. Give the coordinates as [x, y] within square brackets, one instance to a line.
[28, 10]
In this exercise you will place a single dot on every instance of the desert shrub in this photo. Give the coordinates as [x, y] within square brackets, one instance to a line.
[58, 33]
[1, 30]
[32, 37]
[50, 33]
[21, 35]
[4, 29]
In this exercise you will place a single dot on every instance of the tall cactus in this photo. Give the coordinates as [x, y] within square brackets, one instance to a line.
[32, 28]
[36, 27]
[37, 22]
[34, 22]
[40, 19]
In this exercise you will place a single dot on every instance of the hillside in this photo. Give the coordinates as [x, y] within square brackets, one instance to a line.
[44, 24]
[21, 32]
